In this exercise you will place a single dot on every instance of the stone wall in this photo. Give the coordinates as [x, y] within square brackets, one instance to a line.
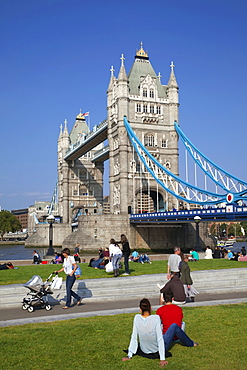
[40, 237]
[95, 231]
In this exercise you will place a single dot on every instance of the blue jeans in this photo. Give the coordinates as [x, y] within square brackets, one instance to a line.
[69, 284]
[126, 262]
[144, 258]
[175, 330]
[115, 261]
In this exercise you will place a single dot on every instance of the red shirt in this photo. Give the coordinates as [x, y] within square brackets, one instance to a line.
[170, 314]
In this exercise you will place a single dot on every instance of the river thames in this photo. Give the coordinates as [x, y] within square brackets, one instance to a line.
[19, 252]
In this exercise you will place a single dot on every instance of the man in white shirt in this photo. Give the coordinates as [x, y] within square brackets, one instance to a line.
[173, 262]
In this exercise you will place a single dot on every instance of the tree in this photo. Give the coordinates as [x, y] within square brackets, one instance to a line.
[8, 223]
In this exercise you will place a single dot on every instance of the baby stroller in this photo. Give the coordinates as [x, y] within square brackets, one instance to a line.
[39, 291]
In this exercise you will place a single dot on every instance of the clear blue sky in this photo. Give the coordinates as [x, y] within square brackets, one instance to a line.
[56, 57]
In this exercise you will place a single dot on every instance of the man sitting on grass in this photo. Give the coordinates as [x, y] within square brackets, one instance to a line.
[171, 317]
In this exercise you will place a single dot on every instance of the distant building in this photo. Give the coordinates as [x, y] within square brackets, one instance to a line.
[106, 204]
[22, 215]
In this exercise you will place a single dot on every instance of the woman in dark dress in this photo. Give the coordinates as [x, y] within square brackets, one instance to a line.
[126, 253]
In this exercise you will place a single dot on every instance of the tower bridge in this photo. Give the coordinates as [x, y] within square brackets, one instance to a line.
[142, 129]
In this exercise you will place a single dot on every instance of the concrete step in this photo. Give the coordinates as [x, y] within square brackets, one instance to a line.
[129, 287]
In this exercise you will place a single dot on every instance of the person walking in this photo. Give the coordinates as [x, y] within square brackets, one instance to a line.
[173, 262]
[69, 267]
[115, 255]
[186, 278]
[126, 253]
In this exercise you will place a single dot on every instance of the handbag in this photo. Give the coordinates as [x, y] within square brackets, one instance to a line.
[57, 282]
[78, 272]
[109, 267]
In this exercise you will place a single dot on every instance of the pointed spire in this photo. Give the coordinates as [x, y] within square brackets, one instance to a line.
[172, 81]
[65, 131]
[112, 70]
[159, 77]
[122, 73]
[112, 78]
[61, 132]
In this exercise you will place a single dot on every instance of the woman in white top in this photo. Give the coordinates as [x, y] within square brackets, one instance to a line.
[208, 254]
[148, 328]
[69, 267]
[115, 256]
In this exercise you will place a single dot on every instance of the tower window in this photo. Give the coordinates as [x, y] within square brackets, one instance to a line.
[164, 143]
[151, 93]
[145, 93]
[138, 108]
[149, 140]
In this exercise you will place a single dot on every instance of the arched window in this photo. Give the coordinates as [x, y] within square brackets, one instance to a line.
[145, 108]
[151, 93]
[158, 110]
[149, 140]
[145, 93]
[151, 108]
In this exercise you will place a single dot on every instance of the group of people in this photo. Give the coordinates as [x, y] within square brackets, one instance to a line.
[180, 283]
[142, 258]
[114, 254]
[152, 335]
[222, 252]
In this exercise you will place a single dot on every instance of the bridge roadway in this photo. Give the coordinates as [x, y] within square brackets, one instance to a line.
[94, 138]
[230, 213]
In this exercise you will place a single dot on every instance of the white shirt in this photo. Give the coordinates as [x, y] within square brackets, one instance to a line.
[114, 249]
[68, 265]
[173, 262]
[148, 329]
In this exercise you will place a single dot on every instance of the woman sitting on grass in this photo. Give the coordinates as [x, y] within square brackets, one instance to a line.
[148, 328]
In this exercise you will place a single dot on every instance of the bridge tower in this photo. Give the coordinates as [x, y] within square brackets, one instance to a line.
[151, 109]
[80, 181]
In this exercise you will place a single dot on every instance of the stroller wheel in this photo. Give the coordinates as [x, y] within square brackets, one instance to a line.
[30, 309]
[25, 306]
[48, 307]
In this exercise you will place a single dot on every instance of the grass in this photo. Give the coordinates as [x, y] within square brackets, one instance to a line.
[98, 342]
[24, 273]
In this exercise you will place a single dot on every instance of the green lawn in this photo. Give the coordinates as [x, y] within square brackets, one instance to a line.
[24, 273]
[97, 342]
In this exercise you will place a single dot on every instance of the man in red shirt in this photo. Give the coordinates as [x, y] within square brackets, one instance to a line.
[171, 317]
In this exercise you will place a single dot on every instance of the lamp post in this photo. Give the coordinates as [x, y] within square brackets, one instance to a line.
[197, 220]
[50, 219]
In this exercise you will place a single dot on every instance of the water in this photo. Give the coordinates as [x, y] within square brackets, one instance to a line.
[19, 252]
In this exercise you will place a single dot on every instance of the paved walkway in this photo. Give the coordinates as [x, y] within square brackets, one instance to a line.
[17, 316]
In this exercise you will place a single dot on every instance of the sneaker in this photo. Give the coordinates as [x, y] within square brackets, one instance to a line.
[192, 299]
[125, 274]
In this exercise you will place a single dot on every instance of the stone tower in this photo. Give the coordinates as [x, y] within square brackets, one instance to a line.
[151, 109]
[80, 182]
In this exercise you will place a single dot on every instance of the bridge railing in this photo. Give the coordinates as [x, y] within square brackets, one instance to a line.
[229, 212]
